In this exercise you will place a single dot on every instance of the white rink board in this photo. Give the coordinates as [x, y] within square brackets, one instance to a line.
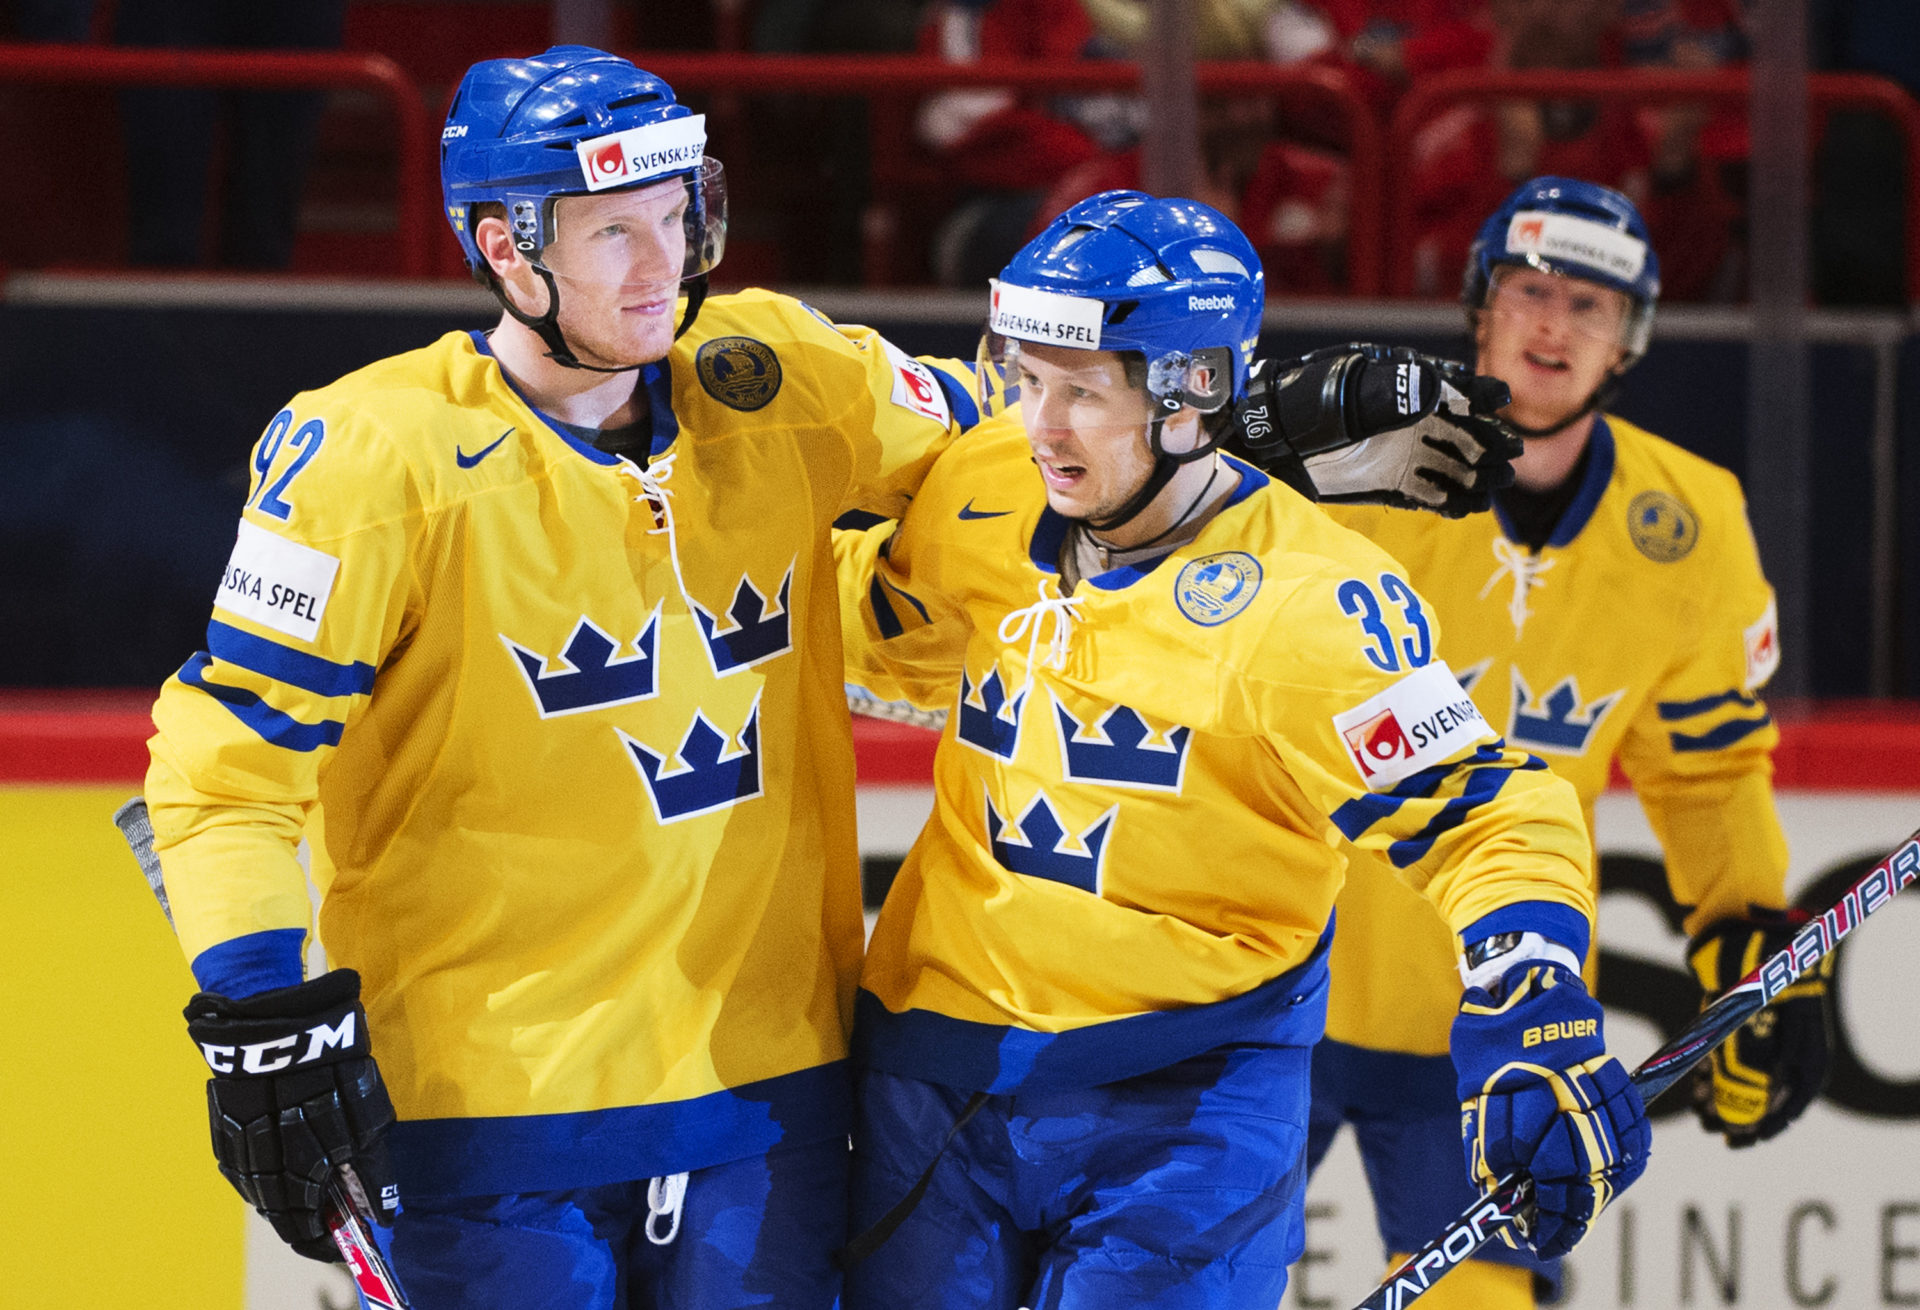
[1827, 1215]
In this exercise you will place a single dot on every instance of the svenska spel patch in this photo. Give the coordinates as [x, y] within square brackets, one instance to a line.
[915, 388]
[1030, 314]
[1578, 240]
[277, 583]
[1412, 725]
[1763, 647]
[639, 153]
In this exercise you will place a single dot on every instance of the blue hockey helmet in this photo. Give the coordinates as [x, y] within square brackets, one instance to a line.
[1171, 280]
[572, 121]
[1576, 229]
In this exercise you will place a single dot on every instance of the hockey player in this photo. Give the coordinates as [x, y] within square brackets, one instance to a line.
[533, 636]
[533, 633]
[1092, 992]
[1611, 610]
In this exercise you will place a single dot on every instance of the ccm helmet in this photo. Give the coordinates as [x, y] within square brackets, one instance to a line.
[1171, 281]
[574, 121]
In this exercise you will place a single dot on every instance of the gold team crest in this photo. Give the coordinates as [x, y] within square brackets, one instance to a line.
[739, 372]
[1214, 588]
[1662, 527]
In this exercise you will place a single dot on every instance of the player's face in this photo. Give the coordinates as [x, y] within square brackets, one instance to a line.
[1087, 425]
[1553, 340]
[618, 259]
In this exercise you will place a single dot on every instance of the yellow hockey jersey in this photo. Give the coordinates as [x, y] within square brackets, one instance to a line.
[567, 738]
[1641, 632]
[1139, 790]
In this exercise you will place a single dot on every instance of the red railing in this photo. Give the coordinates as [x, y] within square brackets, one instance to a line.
[417, 202]
[1426, 98]
[889, 80]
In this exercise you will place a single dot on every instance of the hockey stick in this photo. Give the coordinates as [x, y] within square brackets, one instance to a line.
[1510, 1199]
[348, 1216]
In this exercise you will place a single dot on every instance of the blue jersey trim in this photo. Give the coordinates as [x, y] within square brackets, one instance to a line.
[1482, 786]
[282, 730]
[1672, 710]
[656, 379]
[1719, 738]
[1552, 920]
[555, 1152]
[1051, 531]
[593, 453]
[965, 412]
[1593, 485]
[883, 615]
[295, 668]
[1361, 813]
[246, 966]
[1291, 1010]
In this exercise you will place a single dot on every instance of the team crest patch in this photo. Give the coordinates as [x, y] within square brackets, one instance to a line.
[1214, 588]
[739, 372]
[1662, 527]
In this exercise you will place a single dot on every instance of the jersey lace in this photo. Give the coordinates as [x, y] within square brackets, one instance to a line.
[1524, 567]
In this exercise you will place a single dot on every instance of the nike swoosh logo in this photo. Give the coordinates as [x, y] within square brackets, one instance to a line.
[466, 461]
[969, 512]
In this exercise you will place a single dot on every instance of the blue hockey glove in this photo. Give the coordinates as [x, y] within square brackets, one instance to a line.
[1539, 1094]
[294, 1096]
[1763, 1077]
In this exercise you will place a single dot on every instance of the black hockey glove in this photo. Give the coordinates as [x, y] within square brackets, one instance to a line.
[294, 1096]
[1379, 425]
[1773, 1068]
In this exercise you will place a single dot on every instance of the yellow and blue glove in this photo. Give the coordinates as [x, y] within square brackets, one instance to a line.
[1767, 1073]
[1539, 1094]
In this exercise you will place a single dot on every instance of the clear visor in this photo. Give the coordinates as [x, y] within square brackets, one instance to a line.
[1094, 388]
[648, 238]
[1058, 387]
[1536, 296]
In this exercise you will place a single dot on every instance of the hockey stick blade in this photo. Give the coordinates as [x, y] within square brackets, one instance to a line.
[348, 1217]
[1506, 1204]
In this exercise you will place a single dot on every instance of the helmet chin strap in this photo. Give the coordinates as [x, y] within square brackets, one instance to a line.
[1165, 465]
[1602, 397]
[547, 326]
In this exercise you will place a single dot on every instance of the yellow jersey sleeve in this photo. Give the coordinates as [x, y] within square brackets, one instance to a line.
[1380, 735]
[315, 595]
[1699, 755]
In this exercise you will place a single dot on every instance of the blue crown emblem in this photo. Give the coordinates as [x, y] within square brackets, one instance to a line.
[988, 720]
[1563, 725]
[703, 775]
[753, 630]
[1039, 847]
[593, 674]
[1119, 748]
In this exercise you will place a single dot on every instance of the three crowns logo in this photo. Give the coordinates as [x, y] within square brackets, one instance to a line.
[1561, 725]
[752, 631]
[706, 773]
[592, 673]
[988, 720]
[1119, 748]
[1039, 846]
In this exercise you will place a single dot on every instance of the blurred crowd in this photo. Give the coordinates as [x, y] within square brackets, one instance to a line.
[216, 178]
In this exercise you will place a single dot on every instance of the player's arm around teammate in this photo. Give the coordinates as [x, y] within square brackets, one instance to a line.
[1087, 1007]
[543, 622]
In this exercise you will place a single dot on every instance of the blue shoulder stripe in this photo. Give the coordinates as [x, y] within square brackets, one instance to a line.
[295, 668]
[1361, 813]
[279, 729]
[1686, 709]
[965, 412]
[1719, 738]
[883, 615]
[1482, 786]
